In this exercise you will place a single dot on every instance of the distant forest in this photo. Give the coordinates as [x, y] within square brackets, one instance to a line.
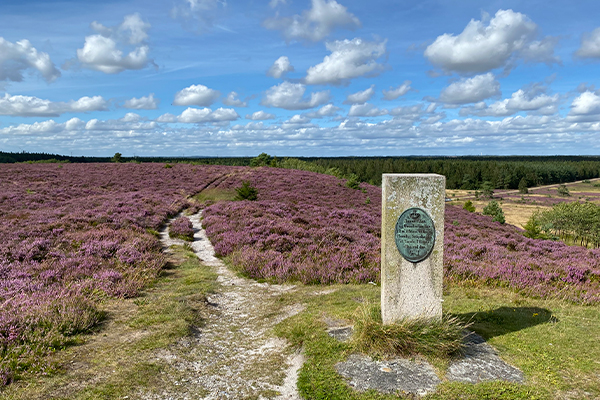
[469, 172]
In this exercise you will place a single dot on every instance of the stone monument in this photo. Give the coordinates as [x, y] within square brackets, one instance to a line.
[412, 246]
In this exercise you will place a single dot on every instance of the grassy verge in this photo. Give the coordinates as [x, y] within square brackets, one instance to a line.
[120, 359]
[556, 344]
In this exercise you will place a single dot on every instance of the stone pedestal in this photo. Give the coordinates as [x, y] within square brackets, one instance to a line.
[412, 289]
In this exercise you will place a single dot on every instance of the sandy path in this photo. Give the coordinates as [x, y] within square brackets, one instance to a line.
[234, 355]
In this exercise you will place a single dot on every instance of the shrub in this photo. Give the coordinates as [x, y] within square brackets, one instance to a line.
[469, 206]
[116, 158]
[563, 190]
[246, 192]
[494, 210]
[523, 186]
[352, 182]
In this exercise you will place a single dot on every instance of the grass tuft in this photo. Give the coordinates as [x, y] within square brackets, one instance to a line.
[441, 338]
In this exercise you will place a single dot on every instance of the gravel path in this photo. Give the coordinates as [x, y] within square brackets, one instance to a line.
[234, 355]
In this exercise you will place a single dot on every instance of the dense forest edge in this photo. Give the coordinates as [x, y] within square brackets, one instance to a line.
[464, 172]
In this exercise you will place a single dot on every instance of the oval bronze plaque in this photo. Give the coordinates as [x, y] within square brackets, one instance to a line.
[415, 234]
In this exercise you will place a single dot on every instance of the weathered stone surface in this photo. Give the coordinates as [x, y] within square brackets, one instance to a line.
[394, 376]
[411, 290]
[481, 363]
[342, 334]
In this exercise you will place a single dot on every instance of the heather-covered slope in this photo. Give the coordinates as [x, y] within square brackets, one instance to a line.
[73, 234]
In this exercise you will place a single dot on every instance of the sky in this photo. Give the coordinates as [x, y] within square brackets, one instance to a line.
[216, 78]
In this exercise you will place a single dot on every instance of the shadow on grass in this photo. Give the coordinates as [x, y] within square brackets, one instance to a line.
[504, 320]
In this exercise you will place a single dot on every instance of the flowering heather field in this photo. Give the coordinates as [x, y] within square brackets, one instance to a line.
[75, 233]
[313, 229]
[304, 226]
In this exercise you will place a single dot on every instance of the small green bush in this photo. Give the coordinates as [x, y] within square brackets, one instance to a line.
[352, 182]
[494, 210]
[563, 190]
[469, 206]
[246, 192]
[523, 186]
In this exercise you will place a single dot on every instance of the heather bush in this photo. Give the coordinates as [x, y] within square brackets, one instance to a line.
[182, 228]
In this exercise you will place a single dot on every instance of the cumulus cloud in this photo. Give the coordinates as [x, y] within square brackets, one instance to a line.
[280, 67]
[28, 106]
[233, 101]
[348, 59]
[143, 103]
[360, 97]
[100, 51]
[471, 90]
[521, 100]
[314, 24]
[587, 103]
[366, 110]
[290, 96]
[197, 15]
[201, 115]
[590, 45]
[394, 92]
[17, 57]
[480, 48]
[196, 95]
[298, 119]
[260, 116]
[327, 110]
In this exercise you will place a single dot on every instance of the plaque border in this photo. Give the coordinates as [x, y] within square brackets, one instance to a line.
[432, 243]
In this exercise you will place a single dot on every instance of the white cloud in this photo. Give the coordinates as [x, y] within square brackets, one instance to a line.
[17, 57]
[327, 110]
[480, 48]
[411, 113]
[360, 97]
[143, 103]
[100, 51]
[233, 101]
[280, 67]
[198, 15]
[471, 90]
[590, 45]
[298, 119]
[196, 95]
[587, 103]
[348, 59]
[196, 116]
[396, 92]
[260, 116]
[314, 24]
[521, 100]
[28, 106]
[290, 96]
[365, 110]
[168, 117]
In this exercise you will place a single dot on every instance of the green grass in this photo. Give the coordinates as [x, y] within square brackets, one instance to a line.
[214, 195]
[118, 361]
[556, 344]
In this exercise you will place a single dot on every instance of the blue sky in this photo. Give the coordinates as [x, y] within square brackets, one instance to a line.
[300, 77]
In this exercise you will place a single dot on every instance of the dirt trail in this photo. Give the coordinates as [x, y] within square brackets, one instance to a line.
[234, 355]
